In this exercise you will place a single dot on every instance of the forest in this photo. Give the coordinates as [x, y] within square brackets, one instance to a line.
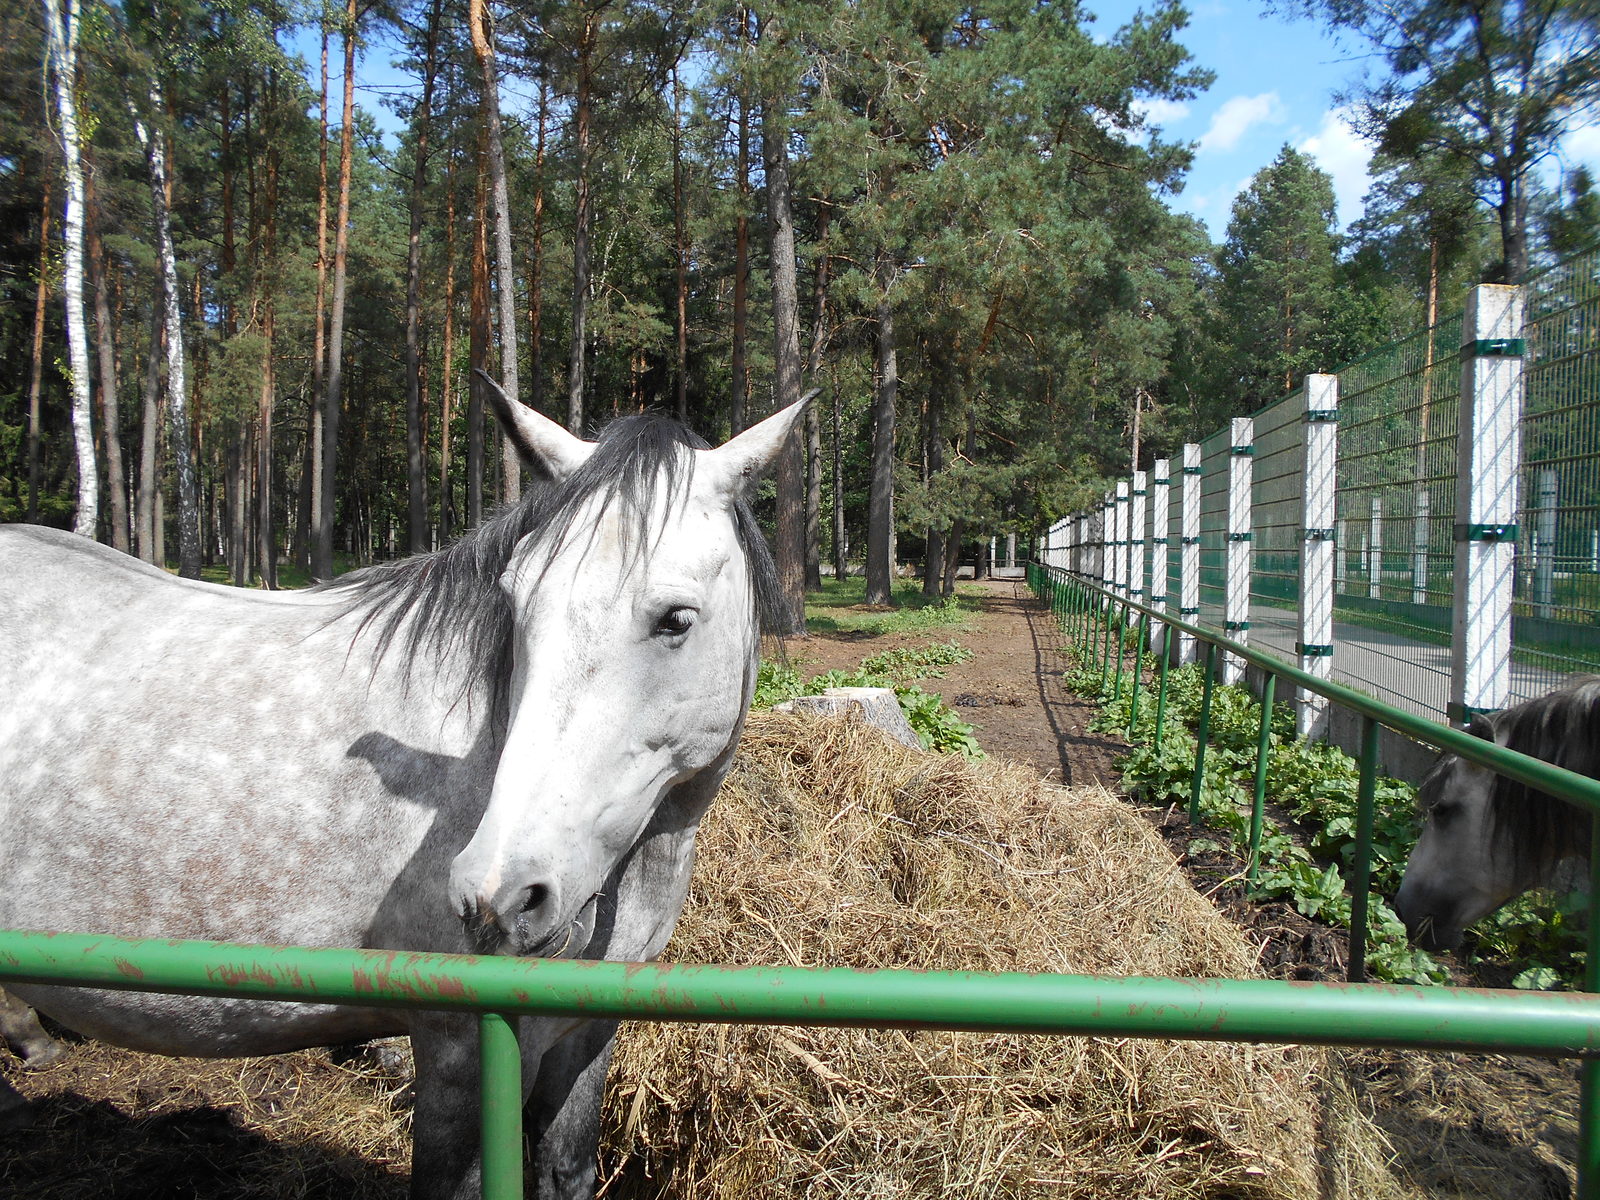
[244, 313]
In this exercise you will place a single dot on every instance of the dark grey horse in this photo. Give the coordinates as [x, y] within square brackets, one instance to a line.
[504, 747]
[1487, 839]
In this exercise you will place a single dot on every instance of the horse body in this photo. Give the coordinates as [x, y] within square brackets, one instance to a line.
[1486, 839]
[504, 747]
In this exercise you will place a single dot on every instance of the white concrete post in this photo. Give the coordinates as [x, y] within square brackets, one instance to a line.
[1137, 533]
[1236, 596]
[1108, 548]
[1544, 542]
[1419, 545]
[1375, 549]
[1011, 549]
[1189, 551]
[1317, 548]
[1489, 453]
[1120, 515]
[1160, 525]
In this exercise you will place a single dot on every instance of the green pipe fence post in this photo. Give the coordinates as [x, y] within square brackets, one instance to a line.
[1263, 755]
[1138, 653]
[1161, 696]
[1589, 1073]
[1361, 885]
[1202, 733]
[500, 1088]
[1122, 644]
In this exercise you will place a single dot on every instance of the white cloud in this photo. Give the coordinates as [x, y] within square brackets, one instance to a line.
[1582, 145]
[1344, 155]
[1161, 112]
[1237, 116]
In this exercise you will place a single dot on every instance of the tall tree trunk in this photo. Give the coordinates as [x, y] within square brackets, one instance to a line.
[446, 492]
[840, 565]
[416, 459]
[583, 219]
[505, 284]
[36, 363]
[266, 552]
[813, 433]
[681, 246]
[880, 503]
[790, 549]
[478, 339]
[62, 46]
[150, 432]
[536, 265]
[739, 403]
[177, 384]
[322, 556]
[106, 343]
[312, 511]
[933, 458]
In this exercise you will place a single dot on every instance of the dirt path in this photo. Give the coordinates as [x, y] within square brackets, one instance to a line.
[1009, 691]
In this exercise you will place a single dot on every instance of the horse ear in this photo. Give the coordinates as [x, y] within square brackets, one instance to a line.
[1483, 725]
[741, 461]
[541, 443]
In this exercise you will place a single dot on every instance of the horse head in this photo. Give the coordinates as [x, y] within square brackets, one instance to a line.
[1455, 874]
[634, 641]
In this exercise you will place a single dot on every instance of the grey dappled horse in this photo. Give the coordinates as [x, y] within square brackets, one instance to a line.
[503, 747]
[1487, 839]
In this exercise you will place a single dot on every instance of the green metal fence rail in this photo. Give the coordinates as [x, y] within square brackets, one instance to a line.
[1098, 619]
[502, 989]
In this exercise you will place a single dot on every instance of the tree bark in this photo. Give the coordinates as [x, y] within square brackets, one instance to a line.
[266, 552]
[739, 402]
[536, 266]
[681, 245]
[106, 344]
[36, 364]
[416, 460]
[61, 32]
[583, 218]
[483, 46]
[322, 556]
[880, 503]
[145, 518]
[478, 341]
[840, 564]
[311, 518]
[446, 492]
[790, 548]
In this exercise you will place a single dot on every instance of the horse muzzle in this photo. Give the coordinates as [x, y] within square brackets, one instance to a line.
[527, 920]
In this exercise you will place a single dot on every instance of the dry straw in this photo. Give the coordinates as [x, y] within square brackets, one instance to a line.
[831, 846]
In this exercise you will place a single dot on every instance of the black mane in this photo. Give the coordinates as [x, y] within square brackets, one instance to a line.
[450, 602]
[1532, 828]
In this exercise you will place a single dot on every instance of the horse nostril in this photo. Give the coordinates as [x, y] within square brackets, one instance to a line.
[535, 898]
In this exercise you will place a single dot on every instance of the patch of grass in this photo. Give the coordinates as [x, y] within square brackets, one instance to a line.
[840, 607]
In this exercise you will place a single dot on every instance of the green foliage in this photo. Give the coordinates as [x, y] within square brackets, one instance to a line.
[841, 607]
[919, 662]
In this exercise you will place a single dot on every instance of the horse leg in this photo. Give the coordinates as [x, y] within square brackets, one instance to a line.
[21, 1031]
[445, 1163]
[563, 1114]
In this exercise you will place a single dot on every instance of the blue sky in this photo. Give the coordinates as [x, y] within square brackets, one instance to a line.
[1275, 84]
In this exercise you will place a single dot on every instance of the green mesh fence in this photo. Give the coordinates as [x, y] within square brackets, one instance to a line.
[1394, 506]
[1276, 502]
[1556, 614]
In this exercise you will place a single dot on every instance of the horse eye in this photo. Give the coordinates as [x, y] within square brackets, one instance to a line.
[675, 622]
[1443, 814]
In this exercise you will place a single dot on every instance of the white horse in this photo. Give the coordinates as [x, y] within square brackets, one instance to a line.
[503, 747]
[1487, 839]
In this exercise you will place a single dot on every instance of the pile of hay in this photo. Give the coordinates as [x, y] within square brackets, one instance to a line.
[831, 846]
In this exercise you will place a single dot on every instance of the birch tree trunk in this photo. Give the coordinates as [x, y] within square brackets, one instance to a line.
[61, 34]
[505, 284]
[177, 386]
[145, 534]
